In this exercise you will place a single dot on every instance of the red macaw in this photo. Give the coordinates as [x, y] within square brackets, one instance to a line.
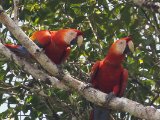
[56, 44]
[109, 76]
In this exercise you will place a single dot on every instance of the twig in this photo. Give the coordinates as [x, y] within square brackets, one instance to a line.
[94, 33]
[155, 6]
[150, 22]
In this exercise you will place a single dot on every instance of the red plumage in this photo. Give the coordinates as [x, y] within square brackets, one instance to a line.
[56, 44]
[108, 75]
[108, 78]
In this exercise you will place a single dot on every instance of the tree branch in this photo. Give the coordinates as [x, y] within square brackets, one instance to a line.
[31, 69]
[16, 11]
[31, 46]
[155, 6]
[91, 94]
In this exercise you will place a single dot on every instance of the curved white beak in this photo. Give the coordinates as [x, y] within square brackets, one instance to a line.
[79, 40]
[131, 46]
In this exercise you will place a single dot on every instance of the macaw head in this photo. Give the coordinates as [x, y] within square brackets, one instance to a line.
[118, 50]
[122, 46]
[69, 36]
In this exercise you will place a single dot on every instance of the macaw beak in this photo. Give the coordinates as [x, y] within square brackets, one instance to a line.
[78, 40]
[131, 46]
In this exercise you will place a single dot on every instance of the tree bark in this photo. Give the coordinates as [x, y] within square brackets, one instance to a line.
[91, 94]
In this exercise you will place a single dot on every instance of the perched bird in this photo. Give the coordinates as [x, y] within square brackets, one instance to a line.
[56, 44]
[109, 76]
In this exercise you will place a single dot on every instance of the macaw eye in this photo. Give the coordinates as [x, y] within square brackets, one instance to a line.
[121, 42]
[72, 33]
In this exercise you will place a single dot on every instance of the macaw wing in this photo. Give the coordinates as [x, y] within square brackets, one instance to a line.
[42, 38]
[93, 73]
[124, 82]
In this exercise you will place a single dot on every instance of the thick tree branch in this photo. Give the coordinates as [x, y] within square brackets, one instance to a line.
[25, 41]
[31, 69]
[37, 74]
[93, 95]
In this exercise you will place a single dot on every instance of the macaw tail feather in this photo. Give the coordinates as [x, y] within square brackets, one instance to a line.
[100, 113]
[19, 50]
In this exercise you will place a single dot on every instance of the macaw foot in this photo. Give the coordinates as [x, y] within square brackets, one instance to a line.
[40, 50]
[109, 97]
[86, 86]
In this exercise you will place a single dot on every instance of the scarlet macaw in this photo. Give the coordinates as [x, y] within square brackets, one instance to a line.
[56, 44]
[109, 76]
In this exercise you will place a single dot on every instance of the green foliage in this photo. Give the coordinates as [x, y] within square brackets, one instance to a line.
[101, 22]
